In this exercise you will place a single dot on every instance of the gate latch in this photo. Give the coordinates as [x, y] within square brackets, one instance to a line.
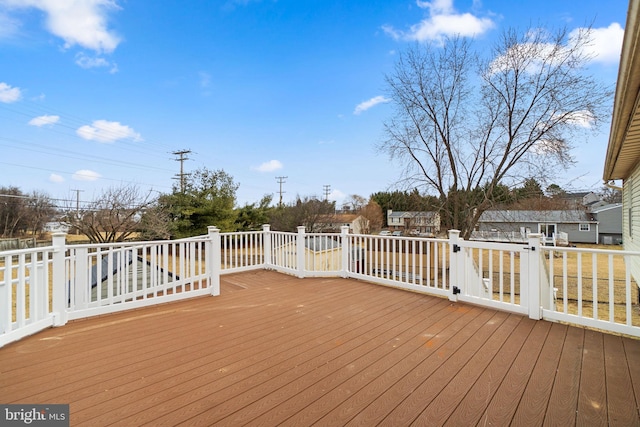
[456, 248]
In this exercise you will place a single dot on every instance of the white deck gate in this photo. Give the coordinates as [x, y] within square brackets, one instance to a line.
[504, 276]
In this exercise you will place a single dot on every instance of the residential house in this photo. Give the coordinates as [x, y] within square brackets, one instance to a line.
[568, 226]
[332, 223]
[622, 161]
[609, 217]
[418, 223]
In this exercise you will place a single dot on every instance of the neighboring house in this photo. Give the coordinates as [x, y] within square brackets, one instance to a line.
[424, 223]
[609, 219]
[569, 226]
[332, 223]
[622, 160]
[575, 200]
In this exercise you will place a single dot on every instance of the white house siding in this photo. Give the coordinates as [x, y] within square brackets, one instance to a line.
[631, 219]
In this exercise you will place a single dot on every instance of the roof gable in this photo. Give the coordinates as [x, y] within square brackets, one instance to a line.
[516, 216]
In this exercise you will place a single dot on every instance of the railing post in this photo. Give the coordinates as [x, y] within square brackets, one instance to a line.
[214, 258]
[300, 238]
[455, 275]
[266, 245]
[534, 282]
[346, 251]
[59, 294]
[81, 278]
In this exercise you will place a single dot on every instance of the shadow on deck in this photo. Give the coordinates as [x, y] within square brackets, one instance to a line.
[277, 350]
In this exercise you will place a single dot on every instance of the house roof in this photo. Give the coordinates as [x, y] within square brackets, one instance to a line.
[320, 243]
[343, 218]
[603, 208]
[558, 216]
[411, 214]
[623, 150]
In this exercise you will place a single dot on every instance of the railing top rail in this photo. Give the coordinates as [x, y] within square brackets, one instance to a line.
[27, 251]
[417, 238]
[136, 244]
[229, 233]
[589, 250]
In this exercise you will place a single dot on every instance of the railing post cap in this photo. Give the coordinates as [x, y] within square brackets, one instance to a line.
[266, 227]
[213, 229]
[301, 229]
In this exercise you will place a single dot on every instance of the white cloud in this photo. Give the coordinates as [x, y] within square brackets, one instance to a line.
[365, 105]
[205, 79]
[606, 44]
[8, 26]
[9, 94]
[106, 131]
[54, 177]
[270, 166]
[77, 22]
[443, 21]
[205, 83]
[86, 175]
[336, 195]
[44, 120]
[583, 119]
[85, 61]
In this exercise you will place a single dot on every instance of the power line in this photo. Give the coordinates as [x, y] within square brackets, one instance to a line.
[281, 180]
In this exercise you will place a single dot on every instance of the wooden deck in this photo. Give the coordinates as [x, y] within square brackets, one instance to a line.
[277, 350]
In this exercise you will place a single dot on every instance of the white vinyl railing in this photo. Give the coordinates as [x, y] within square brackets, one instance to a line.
[413, 263]
[103, 277]
[43, 287]
[25, 292]
[592, 287]
[48, 286]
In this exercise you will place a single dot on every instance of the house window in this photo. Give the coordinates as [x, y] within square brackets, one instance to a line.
[585, 227]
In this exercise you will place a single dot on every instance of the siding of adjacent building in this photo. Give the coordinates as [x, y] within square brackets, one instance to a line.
[609, 219]
[631, 219]
[565, 221]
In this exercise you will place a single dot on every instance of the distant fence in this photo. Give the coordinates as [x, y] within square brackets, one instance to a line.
[13, 244]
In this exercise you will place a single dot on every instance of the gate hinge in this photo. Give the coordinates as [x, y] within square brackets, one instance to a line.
[456, 248]
[456, 290]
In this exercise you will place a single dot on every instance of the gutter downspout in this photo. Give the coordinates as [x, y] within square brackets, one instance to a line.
[610, 184]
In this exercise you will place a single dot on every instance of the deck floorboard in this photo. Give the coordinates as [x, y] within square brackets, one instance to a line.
[274, 349]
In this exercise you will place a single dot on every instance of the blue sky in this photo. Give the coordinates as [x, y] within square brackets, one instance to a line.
[99, 93]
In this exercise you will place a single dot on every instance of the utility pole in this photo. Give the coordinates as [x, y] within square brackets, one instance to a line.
[77, 207]
[281, 180]
[326, 189]
[181, 158]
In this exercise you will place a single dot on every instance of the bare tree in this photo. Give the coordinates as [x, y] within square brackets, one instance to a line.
[13, 211]
[113, 216]
[307, 211]
[465, 125]
[373, 217]
[40, 210]
[610, 195]
[355, 202]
